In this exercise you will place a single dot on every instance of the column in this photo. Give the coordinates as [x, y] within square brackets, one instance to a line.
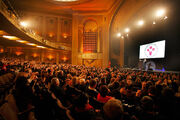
[58, 29]
[121, 52]
[42, 56]
[44, 27]
[105, 44]
[57, 57]
[26, 56]
[75, 39]
[98, 41]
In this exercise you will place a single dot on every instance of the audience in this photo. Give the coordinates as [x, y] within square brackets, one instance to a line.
[64, 91]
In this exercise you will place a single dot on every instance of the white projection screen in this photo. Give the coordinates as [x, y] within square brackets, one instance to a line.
[152, 50]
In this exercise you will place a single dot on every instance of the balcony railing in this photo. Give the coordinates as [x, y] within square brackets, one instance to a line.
[15, 20]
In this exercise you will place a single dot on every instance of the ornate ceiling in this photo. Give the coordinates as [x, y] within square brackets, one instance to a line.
[55, 6]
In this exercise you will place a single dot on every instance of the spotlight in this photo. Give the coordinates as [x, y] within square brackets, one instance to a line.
[160, 13]
[24, 24]
[154, 22]
[31, 44]
[21, 41]
[165, 17]
[122, 37]
[118, 34]
[10, 37]
[141, 22]
[127, 35]
[40, 46]
[127, 30]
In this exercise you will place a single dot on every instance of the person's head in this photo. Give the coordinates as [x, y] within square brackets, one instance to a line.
[92, 83]
[116, 85]
[168, 93]
[113, 109]
[103, 80]
[138, 93]
[74, 81]
[147, 103]
[103, 90]
[82, 81]
[152, 90]
[123, 91]
[55, 81]
[129, 82]
[81, 100]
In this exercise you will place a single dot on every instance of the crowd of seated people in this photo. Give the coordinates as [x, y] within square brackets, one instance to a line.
[75, 92]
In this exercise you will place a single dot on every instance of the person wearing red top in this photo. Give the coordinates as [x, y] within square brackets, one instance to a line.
[102, 96]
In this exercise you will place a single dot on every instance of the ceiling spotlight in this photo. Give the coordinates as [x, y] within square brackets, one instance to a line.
[31, 44]
[119, 35]
[154, 22]
[40, 46]
[127, 35]
[24, 24]
[141, 22]
[21, 41]
[160, 13]
[122, 37]
[127, 30]
[10, 37]
[165, 17]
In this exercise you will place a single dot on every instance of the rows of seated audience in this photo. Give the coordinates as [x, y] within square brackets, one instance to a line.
[63, 91]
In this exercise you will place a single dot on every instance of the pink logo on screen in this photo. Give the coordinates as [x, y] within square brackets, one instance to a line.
[151, 50]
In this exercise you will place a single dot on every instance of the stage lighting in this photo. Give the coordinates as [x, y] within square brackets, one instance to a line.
[165, 17]
[10, 37]
[160, 13]
[118, 34]
[32, 44]
[24, 24]
[141, 22]
[21, 41]
[40, 46]
[127, 30]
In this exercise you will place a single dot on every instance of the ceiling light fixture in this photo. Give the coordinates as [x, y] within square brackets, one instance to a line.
[21, 41]
[141, 22]
[165, 17]
[24, 24]
[40, 46]
[31, 44]
[127, 30]
[118, 34]
[160, 13]
[10, 37]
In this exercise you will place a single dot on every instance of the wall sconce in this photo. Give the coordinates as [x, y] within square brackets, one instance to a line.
[35, 55]
[65, 35]
[50, 57]
[1, 50]
[64, 59]
[51, 34]
[18, 53]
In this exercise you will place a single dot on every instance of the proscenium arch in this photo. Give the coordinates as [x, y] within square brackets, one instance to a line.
[129, 14]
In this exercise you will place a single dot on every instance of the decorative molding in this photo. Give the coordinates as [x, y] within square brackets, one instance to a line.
[91, 55]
